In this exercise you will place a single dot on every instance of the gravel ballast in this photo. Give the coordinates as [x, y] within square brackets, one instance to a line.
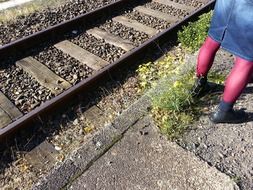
[98, 47]
[147, 20]
[22, 90]
[74, 128]
[66, 131]
[167, 9]
[190, 2]
[124, 32]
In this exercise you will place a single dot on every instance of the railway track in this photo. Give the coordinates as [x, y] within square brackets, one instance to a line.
[43, 71]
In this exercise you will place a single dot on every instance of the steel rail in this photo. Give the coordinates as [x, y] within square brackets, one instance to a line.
[85, 85]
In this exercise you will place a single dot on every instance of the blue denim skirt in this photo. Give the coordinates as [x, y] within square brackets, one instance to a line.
[232, 26]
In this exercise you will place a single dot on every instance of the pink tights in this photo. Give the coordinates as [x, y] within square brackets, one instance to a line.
[238, 77]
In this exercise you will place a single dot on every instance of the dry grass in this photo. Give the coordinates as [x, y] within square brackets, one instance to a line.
[27, 8]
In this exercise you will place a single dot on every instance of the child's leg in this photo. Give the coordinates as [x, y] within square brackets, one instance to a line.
[237, 80]
[205, 60]
[235, 84]
[206, 56]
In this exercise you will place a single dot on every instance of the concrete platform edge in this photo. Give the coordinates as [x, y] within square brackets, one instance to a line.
[80, 160]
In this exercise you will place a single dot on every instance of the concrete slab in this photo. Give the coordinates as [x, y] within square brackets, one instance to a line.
[144, 159]
[81, 159]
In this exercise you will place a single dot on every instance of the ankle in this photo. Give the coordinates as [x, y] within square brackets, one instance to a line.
[202, 80]
[226, 106]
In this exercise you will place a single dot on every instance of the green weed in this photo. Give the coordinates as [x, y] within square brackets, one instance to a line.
[193, 35]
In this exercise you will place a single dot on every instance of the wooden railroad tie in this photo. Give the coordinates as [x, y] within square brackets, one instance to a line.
[43, 75]
[111, 39]
[8, 112]
[81, 55]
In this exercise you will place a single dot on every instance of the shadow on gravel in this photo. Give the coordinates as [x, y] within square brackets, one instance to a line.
[250, 116]
[248, 90]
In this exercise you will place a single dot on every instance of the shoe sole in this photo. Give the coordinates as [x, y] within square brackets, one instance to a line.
[230, 122]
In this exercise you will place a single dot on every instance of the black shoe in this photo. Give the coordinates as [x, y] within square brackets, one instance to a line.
[231, 116]
[200, 87]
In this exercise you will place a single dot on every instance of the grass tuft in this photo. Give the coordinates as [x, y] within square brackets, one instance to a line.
[173, 107]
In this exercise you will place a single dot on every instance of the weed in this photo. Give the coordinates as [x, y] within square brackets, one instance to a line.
[173, 107]
[150, 72]
[236, 179]
[193, 35]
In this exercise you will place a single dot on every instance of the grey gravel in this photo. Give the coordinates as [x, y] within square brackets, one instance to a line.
[227, 147]
[167, 9]
[22, 90]
[124, 32]
[98, 47]
[63, 65]
[148, 20]
[190, 2]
